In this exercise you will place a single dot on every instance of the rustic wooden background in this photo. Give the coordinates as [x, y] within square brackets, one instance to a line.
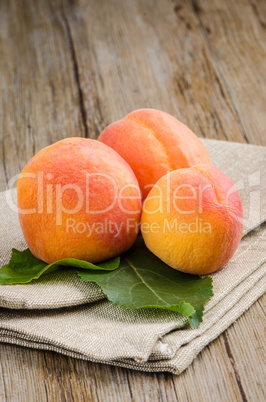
[69, 68]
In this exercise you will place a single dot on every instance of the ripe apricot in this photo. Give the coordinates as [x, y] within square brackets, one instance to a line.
[154, 143]
[79, 199]
[192, 219]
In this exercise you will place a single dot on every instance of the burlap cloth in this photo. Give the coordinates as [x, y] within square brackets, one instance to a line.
[61, 313]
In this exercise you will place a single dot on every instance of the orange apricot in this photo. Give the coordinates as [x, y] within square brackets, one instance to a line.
[192, 219]
[154, 143]
[78, 199]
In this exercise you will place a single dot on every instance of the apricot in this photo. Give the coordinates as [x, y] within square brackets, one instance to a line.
[79, 199]
[192, 219]
[154, 143]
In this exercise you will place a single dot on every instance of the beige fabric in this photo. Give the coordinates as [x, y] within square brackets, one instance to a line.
[148, 340]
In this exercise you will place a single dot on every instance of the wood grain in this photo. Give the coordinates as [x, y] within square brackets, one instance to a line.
[69, 68]
[235, 33]
[150, 59]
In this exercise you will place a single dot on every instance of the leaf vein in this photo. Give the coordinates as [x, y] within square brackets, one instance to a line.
[145, 283]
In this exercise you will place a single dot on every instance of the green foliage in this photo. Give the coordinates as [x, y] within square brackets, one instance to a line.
[136, 280]
[23, 267]
[144, 281]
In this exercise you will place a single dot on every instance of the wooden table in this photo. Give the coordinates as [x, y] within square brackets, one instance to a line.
[69, 68]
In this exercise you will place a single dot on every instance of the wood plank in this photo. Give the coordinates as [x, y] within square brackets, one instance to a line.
[146, 57]
[40, 102]
[235, 33]
[231, 367]
[81, 81]
[245, 346]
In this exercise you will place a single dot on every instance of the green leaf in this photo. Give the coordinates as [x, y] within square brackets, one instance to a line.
[23, 267]
[144, 281]
[139, 280]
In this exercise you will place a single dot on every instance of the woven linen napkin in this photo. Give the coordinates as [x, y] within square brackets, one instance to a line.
[62, 313]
